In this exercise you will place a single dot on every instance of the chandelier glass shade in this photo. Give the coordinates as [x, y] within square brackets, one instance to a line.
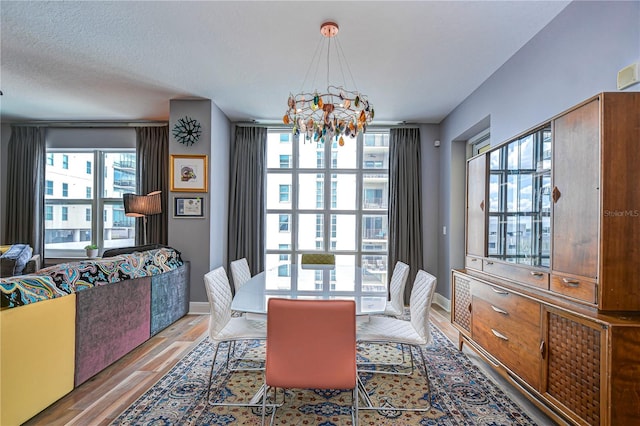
[321, 115]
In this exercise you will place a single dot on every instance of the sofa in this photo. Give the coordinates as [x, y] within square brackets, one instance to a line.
[65, 323]
[18, 259]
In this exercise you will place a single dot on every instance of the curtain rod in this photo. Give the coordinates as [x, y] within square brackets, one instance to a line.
[89, 124]
[372, 127]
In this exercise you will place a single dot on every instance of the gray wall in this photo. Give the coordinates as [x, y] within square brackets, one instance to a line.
[576, 56]
[430, 183]
[203, 242]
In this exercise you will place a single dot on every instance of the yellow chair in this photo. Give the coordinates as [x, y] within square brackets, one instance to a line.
[318, 259]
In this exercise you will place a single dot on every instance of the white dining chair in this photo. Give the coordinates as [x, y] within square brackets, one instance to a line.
[223, 328]
[395, 306]
[240, 273]
[414, 333]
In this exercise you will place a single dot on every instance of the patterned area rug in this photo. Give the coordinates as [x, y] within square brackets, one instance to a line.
[460, 393]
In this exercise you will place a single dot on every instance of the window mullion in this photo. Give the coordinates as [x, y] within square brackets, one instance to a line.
[97, 222]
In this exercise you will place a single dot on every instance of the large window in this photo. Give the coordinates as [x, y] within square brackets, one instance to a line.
[338, 206]
[88, 209]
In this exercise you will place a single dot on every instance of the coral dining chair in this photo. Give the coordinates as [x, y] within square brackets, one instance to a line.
[222, 327]
[311, 344]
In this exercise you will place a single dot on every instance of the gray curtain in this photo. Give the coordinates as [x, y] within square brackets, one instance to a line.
[24, 202]
[246, 197]
[152, 152]
[405, 223]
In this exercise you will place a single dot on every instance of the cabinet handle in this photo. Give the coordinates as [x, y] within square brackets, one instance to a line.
[469, 307]
[543, 348]
[495, 290]
[537, 274]
[489, 262]
[555, 194]
[473, 259]
[571, 283]
[499, 335]
[482, 205]
[500, 311]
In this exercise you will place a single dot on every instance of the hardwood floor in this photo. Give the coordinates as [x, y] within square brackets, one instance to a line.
[102, 398]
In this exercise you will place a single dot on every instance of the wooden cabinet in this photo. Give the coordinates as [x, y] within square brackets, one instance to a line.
[596, 209]
[550, 294]
[584, 368]
[476, 189]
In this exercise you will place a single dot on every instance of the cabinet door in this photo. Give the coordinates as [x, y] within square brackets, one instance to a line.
[576, 191]
[476, 190]
[461, 307]
[575, 351]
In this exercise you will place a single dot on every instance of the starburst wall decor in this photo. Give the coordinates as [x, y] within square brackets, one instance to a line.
[187, 131]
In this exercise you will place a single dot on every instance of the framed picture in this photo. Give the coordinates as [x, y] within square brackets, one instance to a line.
[188, 173]
[192, 207]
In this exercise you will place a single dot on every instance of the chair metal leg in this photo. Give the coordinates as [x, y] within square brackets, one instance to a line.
[369, 403]
[213, 363]
[354, 409]
[402, 365]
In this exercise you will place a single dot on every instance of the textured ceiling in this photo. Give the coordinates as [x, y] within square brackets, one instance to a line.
[124, 60]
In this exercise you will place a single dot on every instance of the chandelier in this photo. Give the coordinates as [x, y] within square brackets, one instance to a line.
[334, 112]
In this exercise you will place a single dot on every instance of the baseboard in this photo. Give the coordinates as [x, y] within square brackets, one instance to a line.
[198, 308]
[442, 301]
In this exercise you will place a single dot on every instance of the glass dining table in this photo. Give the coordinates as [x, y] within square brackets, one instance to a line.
[295, 281]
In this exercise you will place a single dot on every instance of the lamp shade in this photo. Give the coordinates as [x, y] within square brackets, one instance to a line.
[142, 205]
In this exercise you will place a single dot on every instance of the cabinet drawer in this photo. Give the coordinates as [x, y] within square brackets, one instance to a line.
[578, 288]
[517, 273]
[507, 304]
[473, 262]
[514, 343]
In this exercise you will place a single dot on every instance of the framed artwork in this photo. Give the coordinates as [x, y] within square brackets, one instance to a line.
[188, 173]
[188, 207]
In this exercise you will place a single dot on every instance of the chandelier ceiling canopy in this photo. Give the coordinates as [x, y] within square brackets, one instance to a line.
[321, 115]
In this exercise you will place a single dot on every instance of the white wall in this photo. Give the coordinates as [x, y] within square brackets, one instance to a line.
[576, 56]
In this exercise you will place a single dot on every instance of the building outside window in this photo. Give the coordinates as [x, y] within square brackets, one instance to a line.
[355, 182]
[80, 216]
[284, 193]
[48, 187]
[285, 161]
